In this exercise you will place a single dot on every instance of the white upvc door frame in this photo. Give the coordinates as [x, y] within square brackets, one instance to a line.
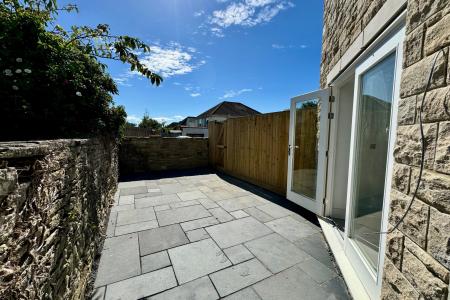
[315, 205]
[370, 278]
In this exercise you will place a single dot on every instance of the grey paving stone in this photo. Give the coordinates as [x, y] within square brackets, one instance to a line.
[133, 190]
[237, 232]
[122, 207]
[276, 252]
[197, 235]
[239, 276]
[119, 260]
[238, 254]
[99, 294]
[151, 184]
[130, 184]
[182, 214]
[239, 203]
[197, 259]
[238, 214]
[154, 190]
[245, 294]
[208, 203]
[205, 189]
[336, 288]
[290, 284]
[142, 286]
[258, 214]
[135, 227]
[156, 200]
[147, 195]
[166, 181]
[184, 203]
[199, 223]
[199, 289]
[275, 210]
[126, 200]
[316, 246]
[161, 207]
[221, 214]
[291, 229]
[135, 216]
[316, 270]
[218, 195]
[162, 238]
[172, 188]
[111, 224]
[192, 195]
[155, 261]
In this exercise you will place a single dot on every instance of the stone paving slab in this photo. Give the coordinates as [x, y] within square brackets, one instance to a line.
[122, 207]
[111, 224]
[239, 203]
[197, 235]
[135, 216]
[142, 286]
[239, 276]
[317, 271]
[199, 223]
[208, 203]
[275, 211]
[186, 196]
[124, 200]
[199, 289]
[336, 288]
[197, 259]
[162, 238]
[238, 214]
[237, 232]
[291, 229]
[289, 285]
[218, 195]
[156, 200]
[130, 184]
[119, 260]
[155, 261]
[162, 207]
[221, 214]
[276, 252]
[172, 188]
[315, 246]
[184, 203]
[238, 254]
[133, 190]
[99, 294]
[258, 214]
[182, 214]
[245, 294]
[135, 227]
[151, 193]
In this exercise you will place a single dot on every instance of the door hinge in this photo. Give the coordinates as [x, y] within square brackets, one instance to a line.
[324, 201]
[326, 153]
[331, 98]
[330, 116]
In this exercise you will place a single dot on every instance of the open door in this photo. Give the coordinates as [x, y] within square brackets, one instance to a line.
[308, 144]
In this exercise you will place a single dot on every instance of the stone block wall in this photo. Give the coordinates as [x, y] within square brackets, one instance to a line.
[54, 201]
[418, 253]
[417, 262]
[141, 155]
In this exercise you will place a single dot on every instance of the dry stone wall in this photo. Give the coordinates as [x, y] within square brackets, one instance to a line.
[54, 201]
[141, 155]
[418, 252]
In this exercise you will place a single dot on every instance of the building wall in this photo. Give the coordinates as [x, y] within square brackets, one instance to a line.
[141, 155]
[195, 130]
[418, 253]
[54, 202]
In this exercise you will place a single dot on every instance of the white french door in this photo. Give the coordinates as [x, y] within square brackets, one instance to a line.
[374, 120]
[307, 150]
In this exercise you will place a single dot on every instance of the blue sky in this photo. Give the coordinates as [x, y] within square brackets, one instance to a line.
[258, 52]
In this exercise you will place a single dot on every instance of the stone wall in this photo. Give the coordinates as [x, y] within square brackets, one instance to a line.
[54, 200]
[343, 20]
[418, 253]
[141, 155]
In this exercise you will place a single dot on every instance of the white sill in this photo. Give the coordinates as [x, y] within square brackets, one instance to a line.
[335, 242]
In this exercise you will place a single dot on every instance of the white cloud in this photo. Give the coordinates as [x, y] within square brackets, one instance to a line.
[199, 13]
[134, 119]
[195, 94]
[247, 13]
[233, 93]
[168, 119]
[279, 46]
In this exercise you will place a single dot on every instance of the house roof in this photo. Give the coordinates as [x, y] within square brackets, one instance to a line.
[227, 108]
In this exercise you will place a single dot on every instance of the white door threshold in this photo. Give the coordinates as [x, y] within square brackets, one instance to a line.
[335, 242]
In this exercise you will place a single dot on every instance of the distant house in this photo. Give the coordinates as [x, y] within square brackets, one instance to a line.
[198, 126]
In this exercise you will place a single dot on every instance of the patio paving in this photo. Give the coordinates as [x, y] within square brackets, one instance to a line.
[211, 237]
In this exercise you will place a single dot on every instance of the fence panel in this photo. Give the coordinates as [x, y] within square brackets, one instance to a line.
[253, 148]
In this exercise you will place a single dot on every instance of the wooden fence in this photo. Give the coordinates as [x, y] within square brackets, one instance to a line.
[137, 132]
[252, 148]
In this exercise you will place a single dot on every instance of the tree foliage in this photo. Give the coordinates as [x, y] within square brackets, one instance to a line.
[150, 123]
[51, 82]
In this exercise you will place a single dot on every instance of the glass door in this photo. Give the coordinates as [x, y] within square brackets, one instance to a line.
[371, 158]
[307, 150]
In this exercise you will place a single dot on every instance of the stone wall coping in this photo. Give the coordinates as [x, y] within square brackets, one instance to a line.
[16, 149]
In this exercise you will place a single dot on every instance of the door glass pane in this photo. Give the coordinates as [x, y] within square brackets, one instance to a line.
[372, 139]
[304, 171]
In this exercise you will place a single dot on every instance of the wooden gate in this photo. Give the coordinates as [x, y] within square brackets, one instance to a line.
[252, 148]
